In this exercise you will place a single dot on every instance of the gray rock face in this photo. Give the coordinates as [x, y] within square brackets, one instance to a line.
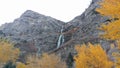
[33, 31]
[36, 32]
[86, 25]
[89, 21]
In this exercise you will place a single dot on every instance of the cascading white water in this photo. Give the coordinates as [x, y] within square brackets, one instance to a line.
[38, 51]
[60, 39]
[63, 39]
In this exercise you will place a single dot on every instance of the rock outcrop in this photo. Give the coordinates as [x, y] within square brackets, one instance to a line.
[33, 32]
[86, 29]
[36, 33]
[88, 21]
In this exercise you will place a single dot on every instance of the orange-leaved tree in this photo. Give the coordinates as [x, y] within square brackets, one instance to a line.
[91, 56]
[20, 65]
[46, 61]
[8, 52]
[110, 9]
[111, 30]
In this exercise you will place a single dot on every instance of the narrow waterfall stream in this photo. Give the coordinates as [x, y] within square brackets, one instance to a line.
[60, 39]
[38, 51]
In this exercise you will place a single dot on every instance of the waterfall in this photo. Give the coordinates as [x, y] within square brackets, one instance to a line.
[60, 39]
[38, 52]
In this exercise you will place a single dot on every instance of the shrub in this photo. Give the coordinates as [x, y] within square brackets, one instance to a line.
[46, 61]
[8, 52]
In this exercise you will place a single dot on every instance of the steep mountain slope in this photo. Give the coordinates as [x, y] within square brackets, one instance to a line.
[33, 32]
[84, 29]
[88, 21]
[36, 33]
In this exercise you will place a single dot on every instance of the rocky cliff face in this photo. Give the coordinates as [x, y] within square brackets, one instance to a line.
[85, 27]
[88, 21]
[36, 33]
[33, 32]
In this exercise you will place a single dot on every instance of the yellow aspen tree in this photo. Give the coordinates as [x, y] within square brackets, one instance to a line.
[8, 52]
[111, 9]
[20, 65]
[111, 30]
[117, 57]
[91, 56]
[46, 61]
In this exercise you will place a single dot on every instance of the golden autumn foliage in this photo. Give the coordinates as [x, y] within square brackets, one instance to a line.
[46, 61]
[117, 59]
[91, 56]
[116, 55]
[118, 44]
[111, 30]
[20, 65]
[111, 9]
[8, 52]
